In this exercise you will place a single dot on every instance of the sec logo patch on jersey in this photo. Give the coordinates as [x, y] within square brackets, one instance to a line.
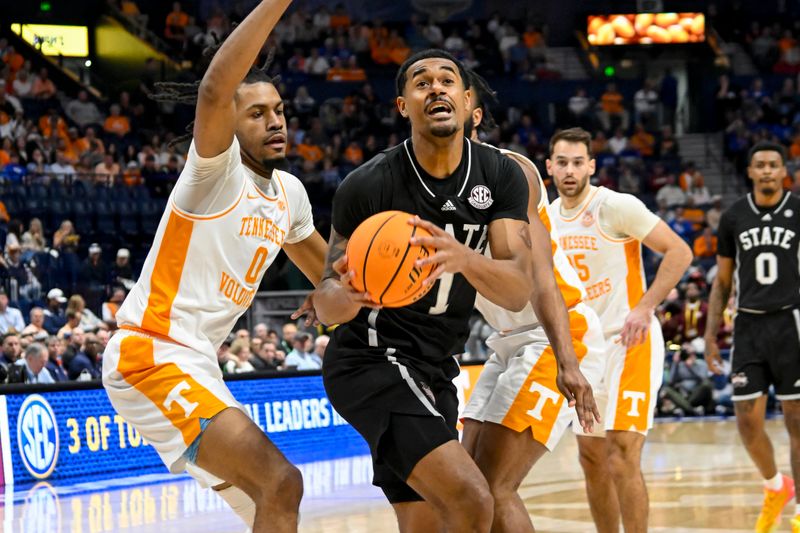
[480, 197]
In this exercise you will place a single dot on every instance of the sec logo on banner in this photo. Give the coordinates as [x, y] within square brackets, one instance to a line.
[37, 436]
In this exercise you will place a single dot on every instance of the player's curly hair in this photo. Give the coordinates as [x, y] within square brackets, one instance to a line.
[485, 98]
[187, 93]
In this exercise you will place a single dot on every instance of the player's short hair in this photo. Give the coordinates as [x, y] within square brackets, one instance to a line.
[766, 146]
[485, 98]
[572, 135]
[427, 54]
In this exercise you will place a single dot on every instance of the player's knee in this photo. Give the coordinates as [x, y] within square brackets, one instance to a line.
[623, 457]
[282, 484]
[289, 485]
[593, 459]
[474, 502]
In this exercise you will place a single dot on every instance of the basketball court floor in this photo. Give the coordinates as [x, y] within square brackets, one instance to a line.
[700, 480]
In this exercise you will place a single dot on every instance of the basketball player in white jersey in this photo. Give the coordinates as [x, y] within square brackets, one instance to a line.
[515, 412]
[601, 232]
[229, 215]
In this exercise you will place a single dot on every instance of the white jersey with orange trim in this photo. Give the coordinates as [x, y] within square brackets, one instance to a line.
[208, 257]
[567, 278]
[602, 238]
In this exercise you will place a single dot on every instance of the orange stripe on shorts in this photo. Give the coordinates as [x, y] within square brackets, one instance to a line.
[539, 401]
[179, 397]
[633, 396]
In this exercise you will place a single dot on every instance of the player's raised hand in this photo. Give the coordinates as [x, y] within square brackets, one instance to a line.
[451, 255]
[637, 325]
[576, 389]
[713, 357]
[346, 277]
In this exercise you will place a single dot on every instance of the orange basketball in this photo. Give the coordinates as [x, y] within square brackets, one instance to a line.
[383, 260]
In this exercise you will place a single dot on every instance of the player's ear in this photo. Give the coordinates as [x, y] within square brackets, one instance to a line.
[548, 165]
[592, 166]
[468, 99]
[401, 106]
[477, 117]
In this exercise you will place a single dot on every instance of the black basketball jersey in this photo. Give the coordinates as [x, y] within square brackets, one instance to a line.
[486, 186]
[764, 244]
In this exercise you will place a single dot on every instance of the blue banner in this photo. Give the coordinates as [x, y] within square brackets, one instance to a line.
[76, 435]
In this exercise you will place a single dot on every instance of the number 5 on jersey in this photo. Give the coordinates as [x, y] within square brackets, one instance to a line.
[578, 263]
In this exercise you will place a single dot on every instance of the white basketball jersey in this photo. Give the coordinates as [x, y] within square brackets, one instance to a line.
[567, 279]
[202, 272]
[612, 268]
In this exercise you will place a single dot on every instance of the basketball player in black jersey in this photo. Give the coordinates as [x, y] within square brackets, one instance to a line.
[389, 371]
[759, 243]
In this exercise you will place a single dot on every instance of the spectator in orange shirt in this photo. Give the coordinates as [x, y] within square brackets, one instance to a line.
[705, 247]
[310, 152]
[340, 18]
[349, 72]
[175, 25]
[642, 141]
[794, 149]
[612, 108]
[354, 154]
[43, 86]
[689, 176]
[52, 123]
[5, 151]
[14, 60]
[693, 214]
[117, 124]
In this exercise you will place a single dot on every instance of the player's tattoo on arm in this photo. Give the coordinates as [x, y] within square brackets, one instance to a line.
[717, 301]
[337, 246]
[525, 235]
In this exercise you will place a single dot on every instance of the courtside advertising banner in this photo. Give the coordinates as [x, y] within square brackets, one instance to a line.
[75, 435]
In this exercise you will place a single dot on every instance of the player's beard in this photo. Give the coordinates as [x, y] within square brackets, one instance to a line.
[768, 190]
[579, 188]
[443, 130]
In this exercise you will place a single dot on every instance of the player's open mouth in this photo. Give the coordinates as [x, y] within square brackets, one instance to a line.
[439, 110]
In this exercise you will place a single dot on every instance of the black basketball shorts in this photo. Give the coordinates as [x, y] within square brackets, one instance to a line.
[404, 409]
[766, 351]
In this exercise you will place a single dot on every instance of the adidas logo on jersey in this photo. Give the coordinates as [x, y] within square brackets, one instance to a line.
[767, 217]
[448, 206]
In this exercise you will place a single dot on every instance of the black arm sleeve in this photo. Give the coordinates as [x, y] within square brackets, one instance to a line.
[726, 240]
[511, 192]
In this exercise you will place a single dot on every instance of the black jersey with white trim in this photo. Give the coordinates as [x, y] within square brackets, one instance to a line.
[764, 243]
[486, 186]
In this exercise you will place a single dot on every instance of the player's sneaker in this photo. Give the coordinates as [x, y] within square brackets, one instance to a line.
[774, 502]
[796, 524]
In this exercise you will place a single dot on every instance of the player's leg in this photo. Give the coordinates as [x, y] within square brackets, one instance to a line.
[523, 407]
[600, 488]
[634, 377]
[172, 395]
[451, 482]
[791, 418]
[505, 457]
[229, 448]
[750, 423]
[624, 449]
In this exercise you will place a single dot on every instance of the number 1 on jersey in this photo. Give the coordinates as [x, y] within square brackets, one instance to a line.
[442, 294]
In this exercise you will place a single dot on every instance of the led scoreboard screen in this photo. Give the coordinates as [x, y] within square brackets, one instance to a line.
[646, 28]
